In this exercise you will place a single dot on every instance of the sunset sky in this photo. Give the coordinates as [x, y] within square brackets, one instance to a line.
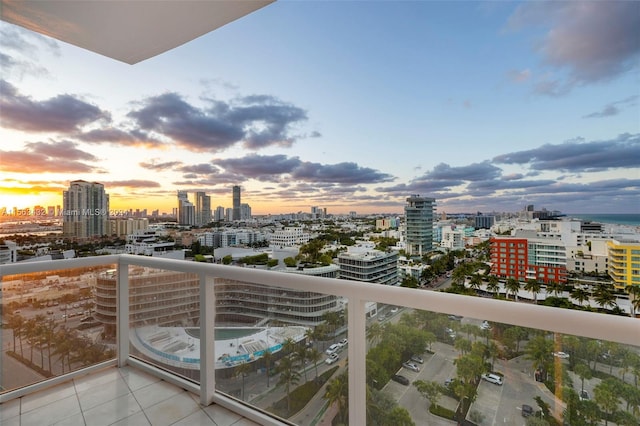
[348, 105]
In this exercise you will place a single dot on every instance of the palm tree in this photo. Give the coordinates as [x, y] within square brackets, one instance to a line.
[300, 355]
[493, 285]
[375, 333]
[314, 356]
[634, 297]
[475, 282]
[539, 350]
[16, 324]
[242, 370]
[606, 396]
[337, 392]
[288, 377]
[584, 372]
[580, 294]
[534, 287]
[512, 286]
[604, 296]
[556, 288]
[267, 357]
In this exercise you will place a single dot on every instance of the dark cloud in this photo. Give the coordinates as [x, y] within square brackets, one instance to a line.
[199, 169]
[256, 121]
[475, 171]
[43, 157]
[614, 108]
[574, 156]
[119, 137]
[593, 40]
[63, 113]
[346, 173]
[260, 167]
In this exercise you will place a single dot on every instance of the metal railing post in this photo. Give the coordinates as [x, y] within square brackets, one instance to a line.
[207, 339]
[122, 311]
[357, 351]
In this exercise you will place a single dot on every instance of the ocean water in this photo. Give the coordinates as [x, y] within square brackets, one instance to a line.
[615, 219]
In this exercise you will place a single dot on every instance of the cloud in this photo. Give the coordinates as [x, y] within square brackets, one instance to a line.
[613, 108]
[271, 168]
[62, 114]
[573, 156]
[43, 157]
[592, 41]
[164, 166]
[119, 137]
[257, 121]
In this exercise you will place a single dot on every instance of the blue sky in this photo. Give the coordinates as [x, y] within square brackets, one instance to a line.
[348, 105]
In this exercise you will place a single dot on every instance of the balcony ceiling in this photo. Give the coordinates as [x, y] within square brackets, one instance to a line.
[129, 31]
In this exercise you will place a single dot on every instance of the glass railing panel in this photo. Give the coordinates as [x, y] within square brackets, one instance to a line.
[277, 347]
[434, 368]
[164, 313]
[50, 325]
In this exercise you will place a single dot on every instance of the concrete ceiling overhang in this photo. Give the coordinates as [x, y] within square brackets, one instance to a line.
[129, 31]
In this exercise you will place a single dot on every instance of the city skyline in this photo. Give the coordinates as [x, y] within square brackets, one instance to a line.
[482, 106]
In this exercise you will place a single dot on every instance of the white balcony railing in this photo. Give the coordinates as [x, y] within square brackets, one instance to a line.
[623, 330]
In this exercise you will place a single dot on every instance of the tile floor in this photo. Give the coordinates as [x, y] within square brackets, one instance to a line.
[119, 397]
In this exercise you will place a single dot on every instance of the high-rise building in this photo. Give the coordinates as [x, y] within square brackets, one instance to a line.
[245, 211]
[186, 209]
[85, 211]
[218, 216]
[419, 225]
[624, 262]
[202, 208]
[236, 202]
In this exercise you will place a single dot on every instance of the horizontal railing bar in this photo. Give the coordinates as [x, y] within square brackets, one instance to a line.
[55, 265]
[567, 321]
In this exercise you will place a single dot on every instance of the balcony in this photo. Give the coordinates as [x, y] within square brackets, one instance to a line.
[169, 368]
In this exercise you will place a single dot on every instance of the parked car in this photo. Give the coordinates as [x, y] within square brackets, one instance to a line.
[584, 395]
[394, 309]
[562, 355]
[418, 359]
[485, 325]
[448, 382]
[332, 349]
[411, 366]
[400, 379]
[455, 317]
[492, 378]
[527, 410]
[332, 358]
[343, 343]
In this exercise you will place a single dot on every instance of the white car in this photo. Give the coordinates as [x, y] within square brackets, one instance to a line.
[343, 343]
[332, 349]
[485, 325]
[411, 366]
[492, 378]
[332, 358]
[562, 355]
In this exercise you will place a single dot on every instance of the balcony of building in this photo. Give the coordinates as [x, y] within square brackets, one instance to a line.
[173, 370]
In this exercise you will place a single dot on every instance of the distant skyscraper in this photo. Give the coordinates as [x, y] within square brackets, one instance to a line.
[186, 209]
[245, 211]
[85, 210]
[236, 202]
[218, 216]
[202, 208]
[419, 225]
